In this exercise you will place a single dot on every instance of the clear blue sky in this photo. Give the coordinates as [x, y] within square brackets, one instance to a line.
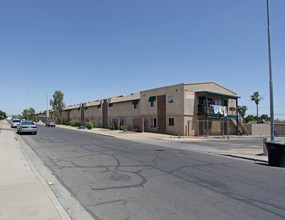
[94, 49]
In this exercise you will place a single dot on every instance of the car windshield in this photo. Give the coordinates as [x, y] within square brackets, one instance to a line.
[28, 123]
[16, 120]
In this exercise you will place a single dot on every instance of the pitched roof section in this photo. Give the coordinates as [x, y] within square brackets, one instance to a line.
[72, 107]
[92, 103]
[130, 97]
[211, 82]
[196, 83]
[116, 99]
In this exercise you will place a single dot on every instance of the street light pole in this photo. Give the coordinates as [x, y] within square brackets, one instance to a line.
[47, 107]
[270, 75]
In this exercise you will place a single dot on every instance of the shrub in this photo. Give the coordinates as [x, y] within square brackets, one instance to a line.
[67, 123]
[75, 123]
[94, 124]
[88, 125]
[136, 130]
[124, 127]
[113, 126]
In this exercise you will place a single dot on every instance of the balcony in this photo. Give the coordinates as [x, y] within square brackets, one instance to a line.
[213, 109]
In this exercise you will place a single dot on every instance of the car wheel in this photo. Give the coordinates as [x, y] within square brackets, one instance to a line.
[35, 133]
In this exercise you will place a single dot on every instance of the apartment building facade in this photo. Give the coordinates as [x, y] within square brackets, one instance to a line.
[186, 109]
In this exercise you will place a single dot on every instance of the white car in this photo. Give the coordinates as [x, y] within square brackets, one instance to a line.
[15, 122]
[27, 127]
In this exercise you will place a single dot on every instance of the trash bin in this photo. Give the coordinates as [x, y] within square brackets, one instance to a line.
[276, 153]
[82, 127]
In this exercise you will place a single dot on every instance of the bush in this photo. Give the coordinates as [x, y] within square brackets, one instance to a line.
[94, 124]
[75, 123]
[88, 125]
[113, 126]
[124, 127]
[67, 123]
[136, 130]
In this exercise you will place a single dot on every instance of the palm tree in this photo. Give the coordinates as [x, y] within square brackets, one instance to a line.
[242, 110]
[256, 98]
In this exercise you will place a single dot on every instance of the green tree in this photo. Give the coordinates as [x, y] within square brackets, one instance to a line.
[18, 116]
[25, 113]
[256, 98]
[57, 104]
[265, 117]
[250, 118]
[3, 115]
[29, 114]
[242, 110]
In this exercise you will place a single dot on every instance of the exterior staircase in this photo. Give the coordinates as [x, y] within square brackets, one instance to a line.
[243, 130]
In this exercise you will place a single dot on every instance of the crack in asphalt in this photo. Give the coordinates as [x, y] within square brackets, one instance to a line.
[115, 166]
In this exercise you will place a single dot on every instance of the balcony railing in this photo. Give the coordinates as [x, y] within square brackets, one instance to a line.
[213, 109]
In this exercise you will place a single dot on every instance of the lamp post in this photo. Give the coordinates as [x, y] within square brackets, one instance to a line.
[47, 107]
[47, 113]
[270, 75]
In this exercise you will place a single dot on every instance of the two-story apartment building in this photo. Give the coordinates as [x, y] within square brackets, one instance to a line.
[186, 109]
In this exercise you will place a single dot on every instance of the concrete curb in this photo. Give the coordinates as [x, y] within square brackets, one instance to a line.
[245, 157]
[56, 191]
[27, 151]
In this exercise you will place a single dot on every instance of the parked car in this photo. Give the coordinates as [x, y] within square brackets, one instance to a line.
[15, 122]
[50, 124]
[27, 127]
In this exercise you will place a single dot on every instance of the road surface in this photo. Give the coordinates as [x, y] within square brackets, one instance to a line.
[120, 179]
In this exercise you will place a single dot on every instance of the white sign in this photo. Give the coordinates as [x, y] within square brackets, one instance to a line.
[189, 94]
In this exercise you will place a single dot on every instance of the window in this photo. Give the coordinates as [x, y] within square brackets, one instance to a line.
[153, 122]
[136, 104]
[152, 101]
[111, 106]
[78, 109]
[171, 122]
[86, 109]
[202, 101]
[170, 99]
[99, 107]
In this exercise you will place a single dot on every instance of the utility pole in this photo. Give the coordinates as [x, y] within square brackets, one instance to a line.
[270, 75]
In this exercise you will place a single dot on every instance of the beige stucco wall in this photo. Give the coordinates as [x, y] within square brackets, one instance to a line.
[92, 112]
[75, 114]
[260, 129]
[191, 105]
[173, 110]
[124, 111]
[208, 86]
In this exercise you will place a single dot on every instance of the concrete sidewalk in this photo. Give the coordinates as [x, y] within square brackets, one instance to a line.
[24, 192]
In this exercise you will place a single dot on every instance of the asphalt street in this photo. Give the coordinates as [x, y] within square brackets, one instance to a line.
[121, 179]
